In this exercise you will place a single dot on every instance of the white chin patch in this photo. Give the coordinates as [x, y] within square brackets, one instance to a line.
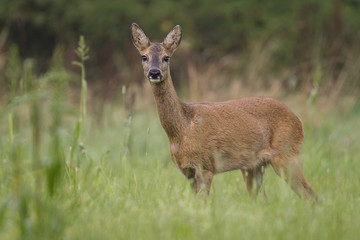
[155, 80]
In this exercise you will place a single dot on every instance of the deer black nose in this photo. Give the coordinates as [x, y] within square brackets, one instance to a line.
[154, 74]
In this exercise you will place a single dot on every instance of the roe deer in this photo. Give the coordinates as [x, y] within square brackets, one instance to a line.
[213, 137]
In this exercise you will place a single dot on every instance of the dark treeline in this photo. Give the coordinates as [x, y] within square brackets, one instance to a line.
[308, 33]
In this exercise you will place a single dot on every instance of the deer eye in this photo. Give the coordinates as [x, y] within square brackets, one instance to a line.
[166, 59]
[144, 58]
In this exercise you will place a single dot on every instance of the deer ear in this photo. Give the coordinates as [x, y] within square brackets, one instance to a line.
[140, 40]
[173, 39]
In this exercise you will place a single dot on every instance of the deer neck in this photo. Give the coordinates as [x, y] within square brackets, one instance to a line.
[170, 108]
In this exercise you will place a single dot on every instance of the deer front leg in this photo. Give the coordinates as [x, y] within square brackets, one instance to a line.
[202, 180]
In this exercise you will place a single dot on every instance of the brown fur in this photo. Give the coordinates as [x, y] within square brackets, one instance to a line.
[214, 137]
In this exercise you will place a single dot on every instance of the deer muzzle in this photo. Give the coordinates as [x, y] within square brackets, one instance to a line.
[154, 75]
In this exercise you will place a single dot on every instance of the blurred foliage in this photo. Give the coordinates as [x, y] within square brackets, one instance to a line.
[324, 30]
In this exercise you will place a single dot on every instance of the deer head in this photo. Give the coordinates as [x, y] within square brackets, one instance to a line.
[156, 56]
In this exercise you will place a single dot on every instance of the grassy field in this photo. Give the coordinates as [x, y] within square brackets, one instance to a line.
[122, 184]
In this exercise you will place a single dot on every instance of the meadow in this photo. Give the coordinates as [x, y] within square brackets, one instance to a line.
[106, 173]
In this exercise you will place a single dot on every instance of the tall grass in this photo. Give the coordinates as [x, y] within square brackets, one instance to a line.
[82, 52]
[123, 185]
[12, 74]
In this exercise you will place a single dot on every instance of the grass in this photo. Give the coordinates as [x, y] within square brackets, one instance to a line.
[119, 182]
[128, 188]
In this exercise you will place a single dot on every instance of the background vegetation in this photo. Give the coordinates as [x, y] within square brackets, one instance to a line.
[288, 40]
[82, 152]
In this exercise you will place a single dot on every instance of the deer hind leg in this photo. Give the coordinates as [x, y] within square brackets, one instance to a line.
[294, 176]
[258, 174]
[248, 176]
[259, 177]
